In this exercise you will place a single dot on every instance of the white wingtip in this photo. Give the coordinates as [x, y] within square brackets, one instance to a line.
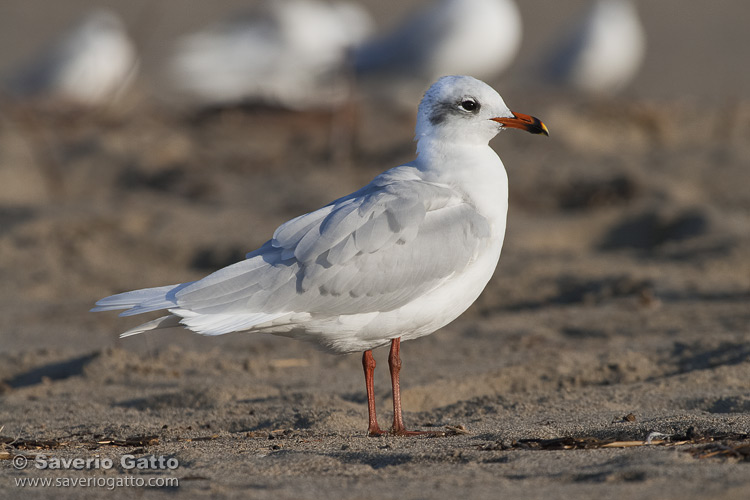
[169, 321]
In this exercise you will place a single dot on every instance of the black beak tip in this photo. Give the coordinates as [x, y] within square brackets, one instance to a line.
[539, 128]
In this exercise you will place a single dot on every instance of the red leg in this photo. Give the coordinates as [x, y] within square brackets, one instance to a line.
[394, 362]
[368, 363]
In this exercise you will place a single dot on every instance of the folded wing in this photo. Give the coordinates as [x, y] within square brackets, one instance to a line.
[373, 251]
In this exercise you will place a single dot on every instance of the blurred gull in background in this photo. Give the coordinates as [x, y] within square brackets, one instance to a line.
[477, 37]
[92, 64]
[603, 52]
[292, 53]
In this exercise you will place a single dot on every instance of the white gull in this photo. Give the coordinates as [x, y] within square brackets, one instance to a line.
[396, 260]
[290, 53]
[477, 37]
[92, 63]
[603, 52]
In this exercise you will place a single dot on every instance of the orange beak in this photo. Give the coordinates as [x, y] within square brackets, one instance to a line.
[524, 122]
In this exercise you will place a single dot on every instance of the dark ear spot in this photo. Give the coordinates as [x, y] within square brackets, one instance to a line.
[440, 112]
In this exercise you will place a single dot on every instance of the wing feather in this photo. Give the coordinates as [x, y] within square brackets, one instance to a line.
[343, 251]
[374, 250]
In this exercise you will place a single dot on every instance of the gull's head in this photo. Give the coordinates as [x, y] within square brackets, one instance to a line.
[466, 110]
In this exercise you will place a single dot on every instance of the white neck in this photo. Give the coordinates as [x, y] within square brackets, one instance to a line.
[455, 159]
[471, 169]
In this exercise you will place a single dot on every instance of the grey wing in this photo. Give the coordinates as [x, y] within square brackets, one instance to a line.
[397, 254]
[375, 250]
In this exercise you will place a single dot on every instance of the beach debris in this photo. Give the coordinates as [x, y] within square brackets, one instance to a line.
[580, 443]
[630, 417]
[31, 444]
[652, 439]
[131, 441]
[722, 450]
[455, 430]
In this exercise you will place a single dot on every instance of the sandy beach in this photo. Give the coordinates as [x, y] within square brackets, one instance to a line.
[609, 356]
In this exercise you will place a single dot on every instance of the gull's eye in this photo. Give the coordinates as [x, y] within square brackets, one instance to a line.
[469, 105]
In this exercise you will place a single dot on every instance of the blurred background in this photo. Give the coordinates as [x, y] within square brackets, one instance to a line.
[694, 49]
[192, 129]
